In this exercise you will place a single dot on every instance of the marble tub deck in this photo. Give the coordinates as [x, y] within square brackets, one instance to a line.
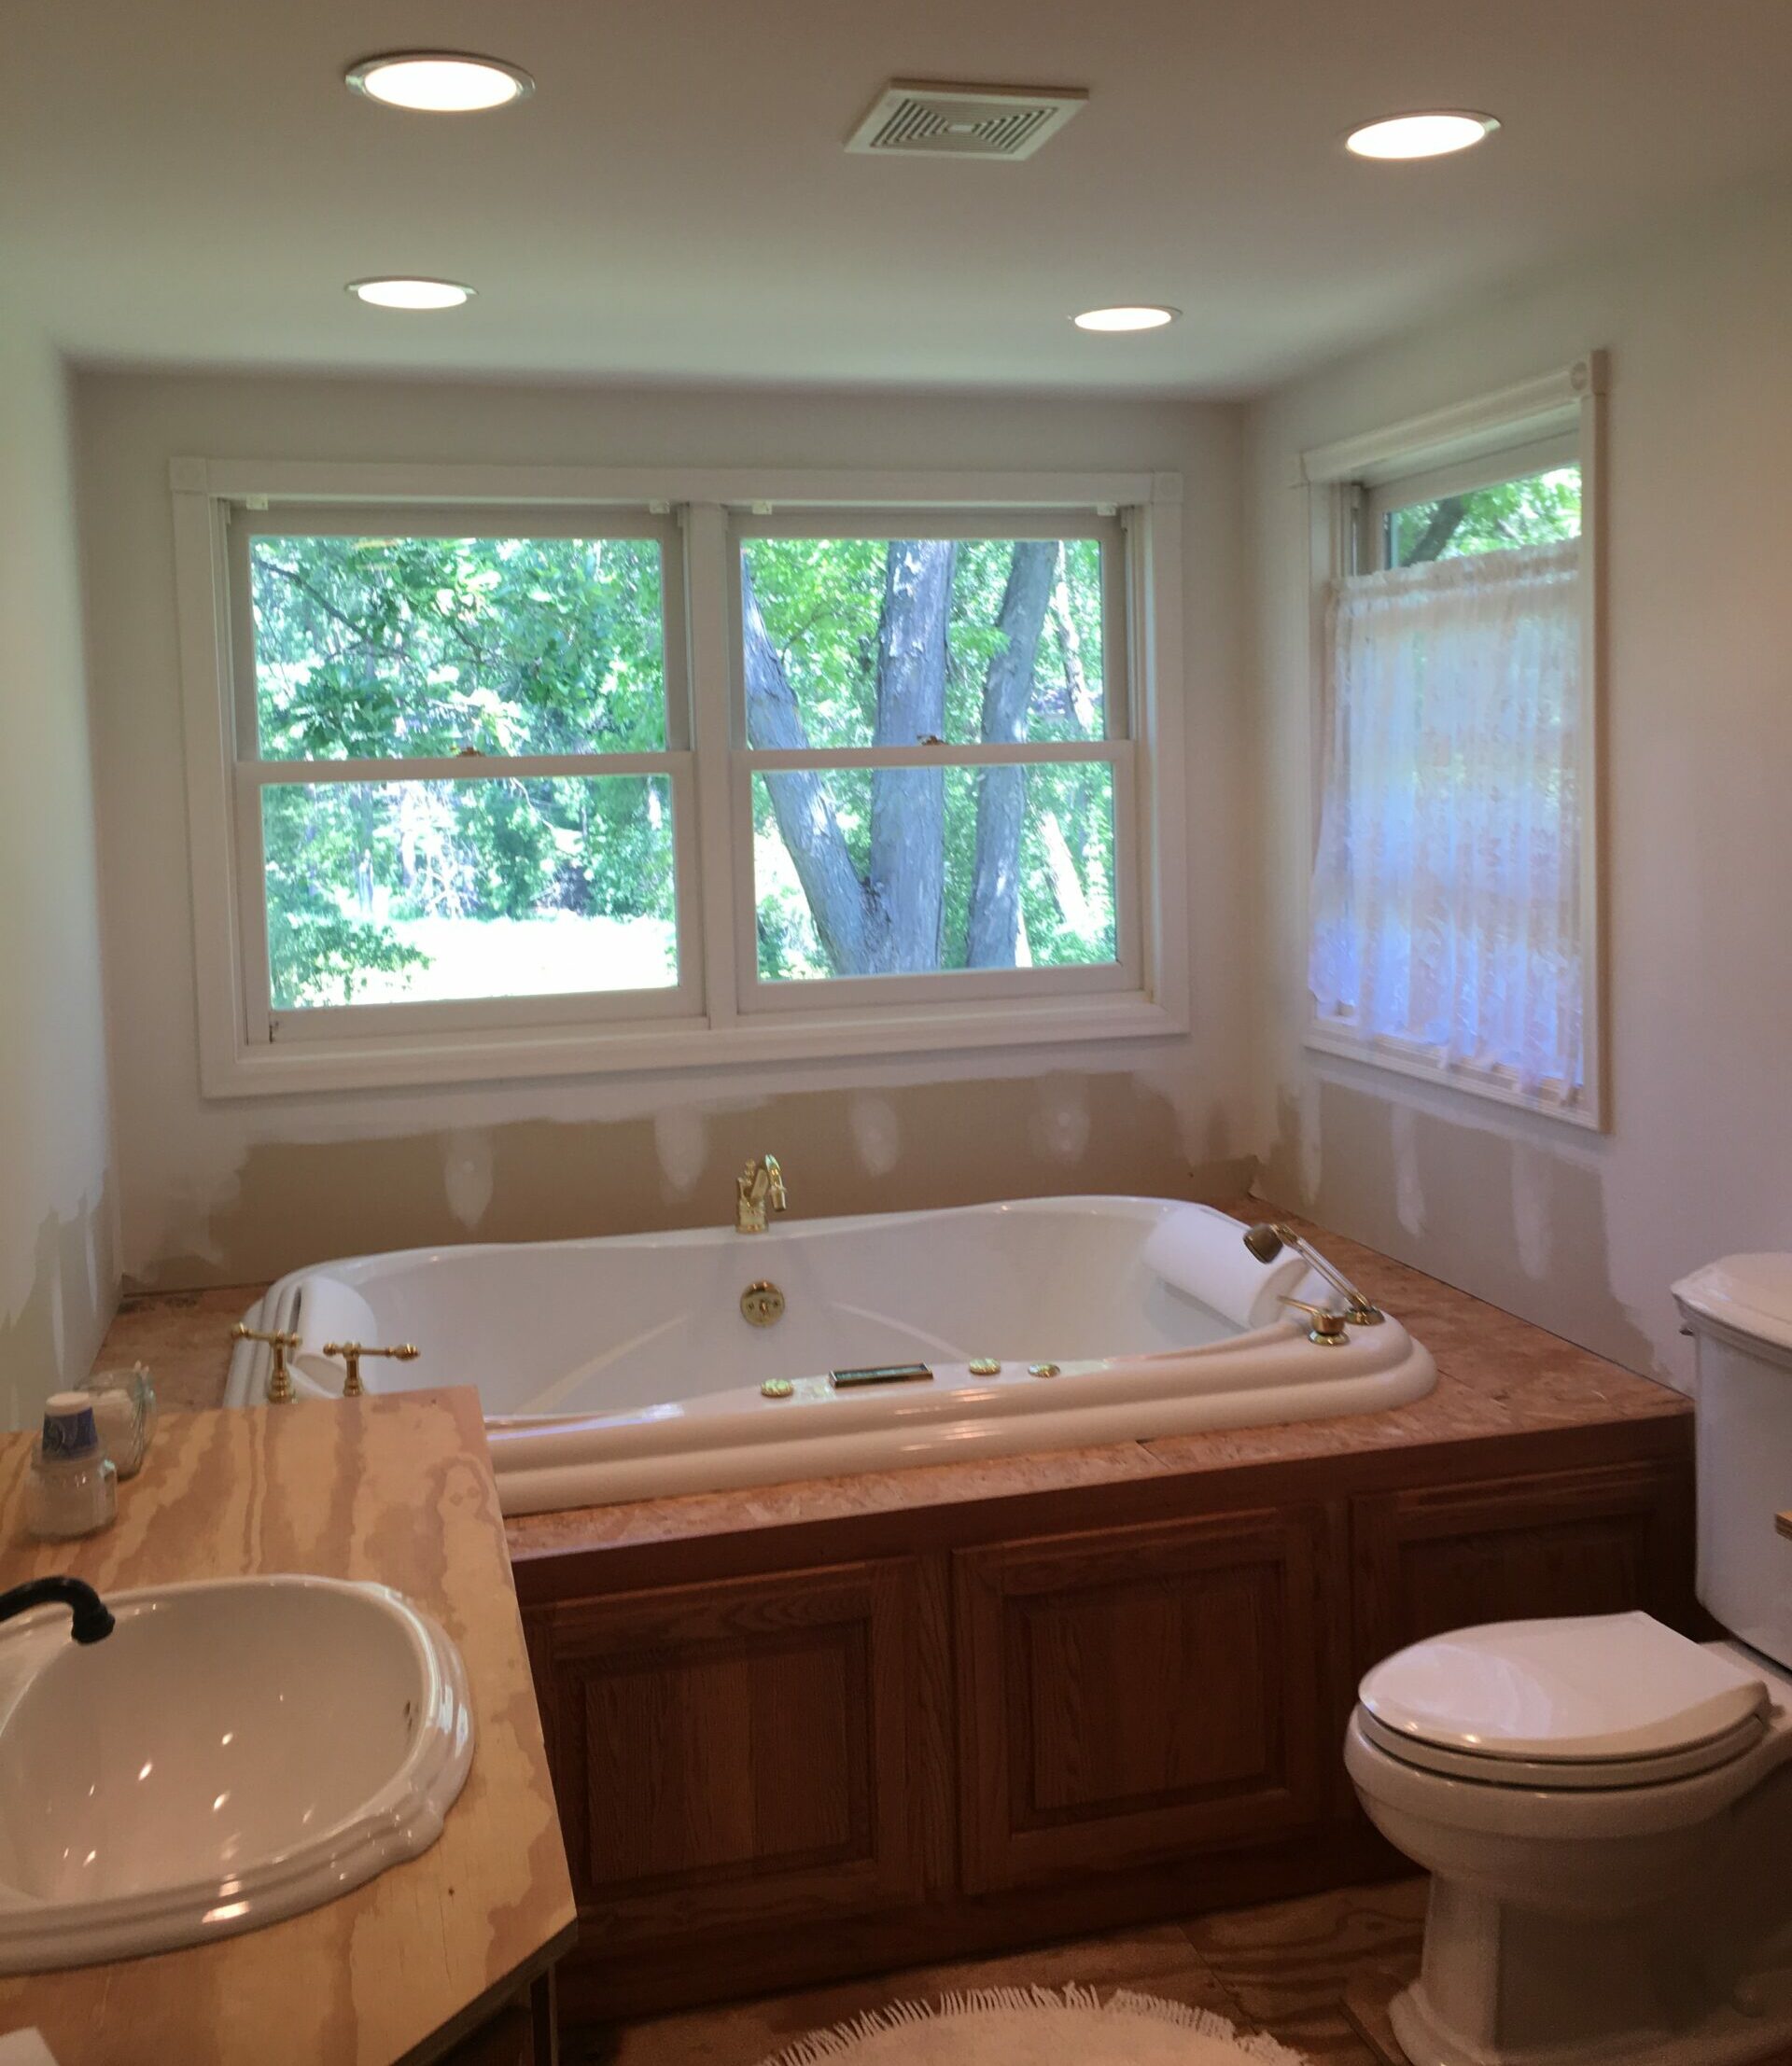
[1497, 1375]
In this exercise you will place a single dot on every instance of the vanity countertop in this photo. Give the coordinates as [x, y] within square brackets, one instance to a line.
[397, 1490]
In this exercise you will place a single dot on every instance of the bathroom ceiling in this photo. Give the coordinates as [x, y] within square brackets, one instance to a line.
[189, 181]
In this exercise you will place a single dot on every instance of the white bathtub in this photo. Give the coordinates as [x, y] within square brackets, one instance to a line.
[624, 1368]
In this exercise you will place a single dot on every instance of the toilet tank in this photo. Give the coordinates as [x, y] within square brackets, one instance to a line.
[1739, 1312]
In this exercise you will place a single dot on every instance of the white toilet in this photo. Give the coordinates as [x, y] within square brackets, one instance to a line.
[1605, 1806]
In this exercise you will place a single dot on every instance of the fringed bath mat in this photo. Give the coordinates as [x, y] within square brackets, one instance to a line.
[1017, 2026]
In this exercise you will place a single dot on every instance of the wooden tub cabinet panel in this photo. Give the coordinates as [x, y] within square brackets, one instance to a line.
[1140, 1693]
[736, 1753]
[1591, 1541]
[795, 1754]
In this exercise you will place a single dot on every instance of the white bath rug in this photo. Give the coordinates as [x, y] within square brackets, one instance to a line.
[1037, 2026]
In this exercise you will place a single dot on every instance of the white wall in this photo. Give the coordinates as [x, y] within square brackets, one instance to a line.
[1586, 1235]
[237, 1191]
[57, 1285]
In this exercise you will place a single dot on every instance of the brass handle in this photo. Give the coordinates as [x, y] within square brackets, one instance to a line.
[352, 1352]
[1327, 1328]
[279, 1377]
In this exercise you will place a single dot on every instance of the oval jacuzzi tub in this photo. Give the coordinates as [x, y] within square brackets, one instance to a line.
[627, 1367]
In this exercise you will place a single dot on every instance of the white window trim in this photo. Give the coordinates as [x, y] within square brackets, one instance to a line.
[1465, 444]
[1151, 1002]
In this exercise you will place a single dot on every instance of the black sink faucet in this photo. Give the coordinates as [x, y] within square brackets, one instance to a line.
[93, 1620]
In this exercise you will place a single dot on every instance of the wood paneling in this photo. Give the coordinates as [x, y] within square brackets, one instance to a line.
[792, 1767]
[1593, 1541]
[729, 1754]
[1138, 1693]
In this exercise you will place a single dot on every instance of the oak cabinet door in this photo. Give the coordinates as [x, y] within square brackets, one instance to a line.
[735, 1754]
[1132, 1695]
[1599, 1541]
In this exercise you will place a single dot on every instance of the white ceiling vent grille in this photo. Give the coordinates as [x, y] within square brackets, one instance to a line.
[926, 118]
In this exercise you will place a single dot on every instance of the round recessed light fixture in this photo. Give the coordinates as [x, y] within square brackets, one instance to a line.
[404, 293]
[1430, 135]
[439, 82]
[1137, 316]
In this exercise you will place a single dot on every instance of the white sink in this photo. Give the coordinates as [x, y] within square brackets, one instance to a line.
[235, 1751]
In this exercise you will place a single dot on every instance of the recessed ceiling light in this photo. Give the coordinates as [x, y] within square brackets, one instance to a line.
[439, 82]
[1137, 317]
[1434, 135]
[411, 294]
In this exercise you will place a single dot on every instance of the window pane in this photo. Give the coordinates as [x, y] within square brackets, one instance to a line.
[906, 871]
[387, 892]
[1539, 510]
[382, 646]
[854, 642]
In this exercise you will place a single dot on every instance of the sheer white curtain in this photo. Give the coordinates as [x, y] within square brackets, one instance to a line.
[1446, 895]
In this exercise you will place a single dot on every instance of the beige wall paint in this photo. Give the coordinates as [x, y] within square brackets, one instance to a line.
[58, 1282]
[230, 1191]
[1586, 1235]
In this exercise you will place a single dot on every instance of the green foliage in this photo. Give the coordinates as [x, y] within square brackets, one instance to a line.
[1539, 510]
[822, 601]
[372, 648]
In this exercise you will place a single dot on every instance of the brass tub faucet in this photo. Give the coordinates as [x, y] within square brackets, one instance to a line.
[352, 1352]
[279, 1377]
[758, 1186]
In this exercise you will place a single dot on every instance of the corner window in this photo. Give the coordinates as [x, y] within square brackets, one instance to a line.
[1453, 918]
[499, 787]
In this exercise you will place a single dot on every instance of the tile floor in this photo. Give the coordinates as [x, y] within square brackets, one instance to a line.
[1282, 1969]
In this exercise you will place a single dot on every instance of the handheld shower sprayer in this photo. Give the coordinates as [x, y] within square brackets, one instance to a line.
[1268, 1238]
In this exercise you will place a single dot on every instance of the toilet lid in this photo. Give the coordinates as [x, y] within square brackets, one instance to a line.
[1751, 1294]
[1598, 1686]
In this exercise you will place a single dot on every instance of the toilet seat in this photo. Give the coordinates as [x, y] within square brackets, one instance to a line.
[1607, 1700]
[1559, 1773]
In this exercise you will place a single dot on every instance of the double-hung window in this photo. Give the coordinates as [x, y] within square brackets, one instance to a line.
[1453, 911]
[486, 785]
[462, 768]
[934, 788]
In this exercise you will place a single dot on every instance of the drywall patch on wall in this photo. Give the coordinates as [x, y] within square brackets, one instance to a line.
[876, 1133]
[1467, 1162]
[679, 1138]
[50, 1337]
[1409, 1190]
[298, 1202]
[1531, 1203]
[467, 1174]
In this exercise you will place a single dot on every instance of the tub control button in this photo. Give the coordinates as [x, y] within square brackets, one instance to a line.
[1042, 1370]
[762, 1304]
[984, 1366]
[777, 1388]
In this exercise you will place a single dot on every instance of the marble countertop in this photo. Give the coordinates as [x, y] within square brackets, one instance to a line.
[1498, 1376]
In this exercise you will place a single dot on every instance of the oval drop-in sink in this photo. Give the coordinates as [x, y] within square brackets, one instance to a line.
[234, 1752]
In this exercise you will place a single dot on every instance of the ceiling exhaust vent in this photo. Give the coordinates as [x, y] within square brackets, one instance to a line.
[928, 118]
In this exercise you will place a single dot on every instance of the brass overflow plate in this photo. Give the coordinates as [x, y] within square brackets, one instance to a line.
[762, 1304]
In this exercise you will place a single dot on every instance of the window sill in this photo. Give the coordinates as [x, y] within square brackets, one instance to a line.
[1423, 1065]
[396, 1061]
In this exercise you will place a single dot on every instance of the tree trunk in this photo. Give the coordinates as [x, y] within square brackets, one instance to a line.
[908, 804]
[992, 931]
[838, 903]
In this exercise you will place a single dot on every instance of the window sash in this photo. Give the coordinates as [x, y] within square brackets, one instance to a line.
[262, 1022]
[992, 527]
[251, 774]
[451, 521]
[1491, 470]
[1125, 972]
